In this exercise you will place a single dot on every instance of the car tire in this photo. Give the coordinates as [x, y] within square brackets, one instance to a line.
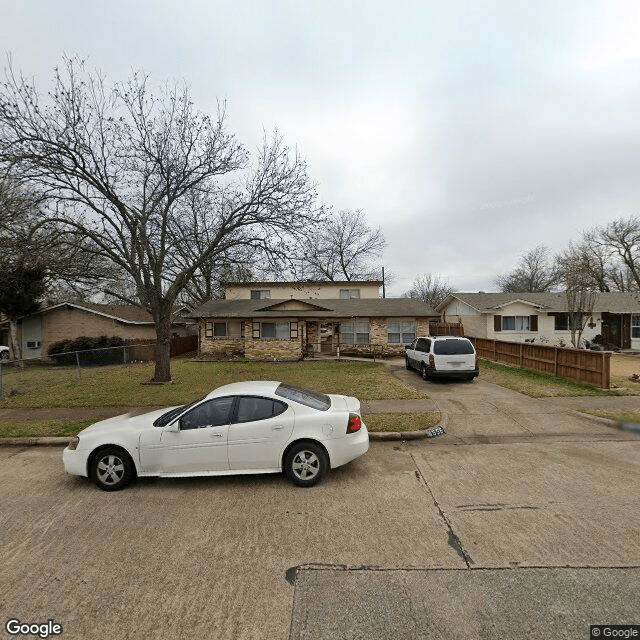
[306, 464]
[406, 364]
[423, 371]
[111, 469]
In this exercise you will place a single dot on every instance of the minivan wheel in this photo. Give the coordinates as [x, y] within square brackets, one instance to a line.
[406, 364]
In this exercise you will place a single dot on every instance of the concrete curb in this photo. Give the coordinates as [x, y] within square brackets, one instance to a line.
[622, 426]
[35, 442]
[407, 435]
[64, 441]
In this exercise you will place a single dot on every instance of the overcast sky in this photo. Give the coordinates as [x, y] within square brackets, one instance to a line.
[470, 131]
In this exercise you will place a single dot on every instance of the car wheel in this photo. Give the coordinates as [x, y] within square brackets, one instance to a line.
[306, 464]
[423, 371]
[111, 469]
[406, 364]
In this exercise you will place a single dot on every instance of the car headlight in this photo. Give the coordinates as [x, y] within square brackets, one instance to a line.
[73, 444]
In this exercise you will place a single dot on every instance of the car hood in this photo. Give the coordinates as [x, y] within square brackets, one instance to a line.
[132, 421]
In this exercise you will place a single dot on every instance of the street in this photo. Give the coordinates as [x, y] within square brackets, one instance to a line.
[523, 518]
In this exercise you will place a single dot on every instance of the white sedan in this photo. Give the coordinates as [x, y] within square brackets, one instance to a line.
[244, 427]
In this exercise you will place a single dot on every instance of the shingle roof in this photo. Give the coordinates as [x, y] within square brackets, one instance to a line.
[129, 314]
[614, 302]
[363, 307]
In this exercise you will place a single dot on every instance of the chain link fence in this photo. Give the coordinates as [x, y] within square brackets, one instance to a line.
[17, 376]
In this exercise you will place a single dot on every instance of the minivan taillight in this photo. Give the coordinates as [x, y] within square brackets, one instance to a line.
[354, 424]
[432, 362]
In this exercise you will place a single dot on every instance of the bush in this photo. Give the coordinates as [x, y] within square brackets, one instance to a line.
[64, 352]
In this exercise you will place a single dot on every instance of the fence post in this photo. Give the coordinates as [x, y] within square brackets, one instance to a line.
[78, 362]
[555, 361]
[521, 358]
[0, 379]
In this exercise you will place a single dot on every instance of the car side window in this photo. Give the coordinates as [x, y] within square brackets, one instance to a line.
[414, 344]
[422, 345]
[213, 413]
[252, 408]
[427, 346]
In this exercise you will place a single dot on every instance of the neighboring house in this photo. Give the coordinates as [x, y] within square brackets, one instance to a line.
[69, 320]
[544, 317]
[316, 317]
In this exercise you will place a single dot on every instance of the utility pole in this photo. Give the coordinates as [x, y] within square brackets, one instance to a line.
[384, 295]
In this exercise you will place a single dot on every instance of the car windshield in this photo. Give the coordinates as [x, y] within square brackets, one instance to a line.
[311, 399]
[167, 417]
[452, 347]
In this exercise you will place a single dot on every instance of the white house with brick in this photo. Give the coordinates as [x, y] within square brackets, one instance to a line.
[544, 317]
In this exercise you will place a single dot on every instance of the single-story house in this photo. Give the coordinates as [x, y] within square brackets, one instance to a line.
[544, 317]
[289, 329]
[70, 320]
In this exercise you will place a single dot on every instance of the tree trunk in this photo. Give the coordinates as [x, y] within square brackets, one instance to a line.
[163, 346]
[14, 344]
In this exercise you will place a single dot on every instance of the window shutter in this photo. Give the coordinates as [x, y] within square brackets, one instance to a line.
[497, 323]
[533, 323]
[256, 330]
[293, 330]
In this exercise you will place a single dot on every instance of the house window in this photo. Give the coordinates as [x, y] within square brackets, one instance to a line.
[348, 294]
[231, 329]
[635, 325]
[516, 323]
[401, 331]
[260, 294]
[274, 330]
[354, 332]
[562, 322]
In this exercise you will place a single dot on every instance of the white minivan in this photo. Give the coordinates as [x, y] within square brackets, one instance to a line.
[443, 357]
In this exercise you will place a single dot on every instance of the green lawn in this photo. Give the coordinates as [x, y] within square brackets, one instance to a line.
[389, 422]
[39, 387]
[40, 428]
[630, 415]
[537, 385]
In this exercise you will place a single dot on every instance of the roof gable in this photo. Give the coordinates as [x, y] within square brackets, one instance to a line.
[293, 305]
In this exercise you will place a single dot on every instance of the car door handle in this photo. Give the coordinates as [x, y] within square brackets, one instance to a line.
[277, 428]
[216, 435]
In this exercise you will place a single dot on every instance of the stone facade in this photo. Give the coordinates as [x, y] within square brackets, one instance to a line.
[262, 349]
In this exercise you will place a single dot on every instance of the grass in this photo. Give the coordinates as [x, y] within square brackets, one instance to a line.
[629, 415]
[112, 386]
[38, 428]
[537, 385]
[387, 422]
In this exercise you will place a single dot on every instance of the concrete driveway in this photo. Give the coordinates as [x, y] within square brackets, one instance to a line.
[522, 521]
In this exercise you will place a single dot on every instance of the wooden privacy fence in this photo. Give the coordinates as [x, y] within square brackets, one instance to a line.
[592, 367]
[146, 352]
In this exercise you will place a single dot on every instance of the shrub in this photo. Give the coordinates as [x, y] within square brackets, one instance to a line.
[93, 351]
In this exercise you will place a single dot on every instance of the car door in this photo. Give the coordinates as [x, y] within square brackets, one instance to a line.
[422, 352]
[259, 429]
[411, 353]
[201, 443]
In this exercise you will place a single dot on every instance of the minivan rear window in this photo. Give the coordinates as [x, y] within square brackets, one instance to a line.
[308, 398]
[452, 347]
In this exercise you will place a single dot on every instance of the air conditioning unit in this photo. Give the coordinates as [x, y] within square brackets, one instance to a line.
[33, 344]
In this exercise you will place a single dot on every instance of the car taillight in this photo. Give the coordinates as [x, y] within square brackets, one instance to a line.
[354, 424]
[432, 362]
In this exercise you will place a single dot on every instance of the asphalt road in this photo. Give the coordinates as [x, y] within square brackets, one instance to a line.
[522, 520]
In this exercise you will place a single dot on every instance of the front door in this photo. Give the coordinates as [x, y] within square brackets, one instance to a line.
[612, 330]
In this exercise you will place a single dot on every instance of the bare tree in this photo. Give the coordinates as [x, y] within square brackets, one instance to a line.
[139, 176]
[620, 242]
[535, 273]
[430, 288]
[345, 247]
[581, 293]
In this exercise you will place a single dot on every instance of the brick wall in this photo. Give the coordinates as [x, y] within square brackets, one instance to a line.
[68, 324]
[280, 350]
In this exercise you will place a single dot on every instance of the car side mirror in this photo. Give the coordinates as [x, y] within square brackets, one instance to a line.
[174, 427]
[407, 346]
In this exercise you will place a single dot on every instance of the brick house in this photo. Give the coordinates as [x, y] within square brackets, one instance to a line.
[69, 320]
[286, 321]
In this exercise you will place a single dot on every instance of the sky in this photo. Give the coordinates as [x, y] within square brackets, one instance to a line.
[469, 131]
